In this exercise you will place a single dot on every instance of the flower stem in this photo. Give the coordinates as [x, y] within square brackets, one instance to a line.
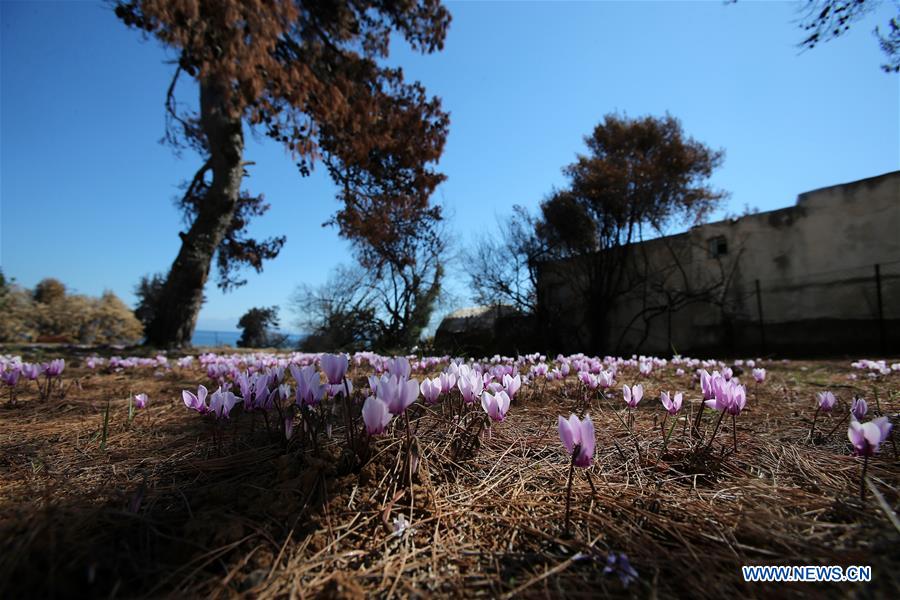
[715, 431]
[734, 433]
[833, 429]
[812, 430]
[575, 452]
[696, 428]
[862, 479]
[668, 435]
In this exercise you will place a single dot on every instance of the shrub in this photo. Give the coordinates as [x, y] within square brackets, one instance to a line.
[48, 313]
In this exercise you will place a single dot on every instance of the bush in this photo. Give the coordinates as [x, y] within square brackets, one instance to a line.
[48, 313]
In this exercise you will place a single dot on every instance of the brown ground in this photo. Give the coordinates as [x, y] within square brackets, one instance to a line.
[166, 510]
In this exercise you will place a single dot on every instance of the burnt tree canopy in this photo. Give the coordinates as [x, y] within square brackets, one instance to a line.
[825, 20]
[638, 173]
[639, 177]
[308, 75]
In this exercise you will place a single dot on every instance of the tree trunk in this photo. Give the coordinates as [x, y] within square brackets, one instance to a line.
[182, 294]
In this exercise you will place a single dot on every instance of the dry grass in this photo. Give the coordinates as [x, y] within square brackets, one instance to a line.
[166, 510]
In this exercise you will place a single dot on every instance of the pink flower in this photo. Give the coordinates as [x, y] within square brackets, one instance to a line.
[672, 405]
[633, 395]
[448, 381]
[221, 403]
[310, 389]
[10, 377]
[706, 385]
[606, 379]
[376, 415]
[495, 405]
[470, 384]
[399, 367]
[738, 398]
[196, 402]
[140, 400]
[512, 384]
[759, 375]
[866, 438]
[588, 380]
[31, 371]
[334, 366]
[723, 392]
[578, 436]
[859, 408]
[55, 367]
[431, 389]
[826, 401]
[397, 394]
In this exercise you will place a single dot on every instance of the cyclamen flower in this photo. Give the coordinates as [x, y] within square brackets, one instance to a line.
[867, 437]
[673, 404]
[759, 375]
[397, 394]
[826, 401]
[588, 380]
[196, 402]
[11, 377]
[334, 366]
[620, 565]
[31, 371]
[55, 367]
[578, 435]
[310, 389]
[512, 385]
[399, 367]
[738, 398]
[140, 400]
[706, 385]
[606, 379]
[221, 403]
[376, 415]
[448, 381]
[338, 389]
[722, 393]
[470, 385]
[495, 405]
[859, 409]
[431, 389]
[633, 395]
[284, 391]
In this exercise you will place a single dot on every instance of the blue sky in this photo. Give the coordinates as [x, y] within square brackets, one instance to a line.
[86, 190]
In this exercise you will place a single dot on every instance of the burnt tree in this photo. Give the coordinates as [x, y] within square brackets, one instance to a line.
[307, 74]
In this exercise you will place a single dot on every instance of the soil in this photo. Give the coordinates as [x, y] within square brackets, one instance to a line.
[171, 504]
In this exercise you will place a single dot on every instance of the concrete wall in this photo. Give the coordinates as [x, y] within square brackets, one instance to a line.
[815, 264]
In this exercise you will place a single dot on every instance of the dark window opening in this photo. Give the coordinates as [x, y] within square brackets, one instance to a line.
[718, 246]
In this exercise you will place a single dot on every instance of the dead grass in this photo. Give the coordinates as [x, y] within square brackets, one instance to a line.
[166, 510]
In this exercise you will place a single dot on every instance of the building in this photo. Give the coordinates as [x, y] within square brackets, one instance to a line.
[485, 330]
[819, 277]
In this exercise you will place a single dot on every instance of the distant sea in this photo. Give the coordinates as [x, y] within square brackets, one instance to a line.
[230, 338]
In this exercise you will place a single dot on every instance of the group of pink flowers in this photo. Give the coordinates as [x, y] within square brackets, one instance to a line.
[722, 392]
[394, 392]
